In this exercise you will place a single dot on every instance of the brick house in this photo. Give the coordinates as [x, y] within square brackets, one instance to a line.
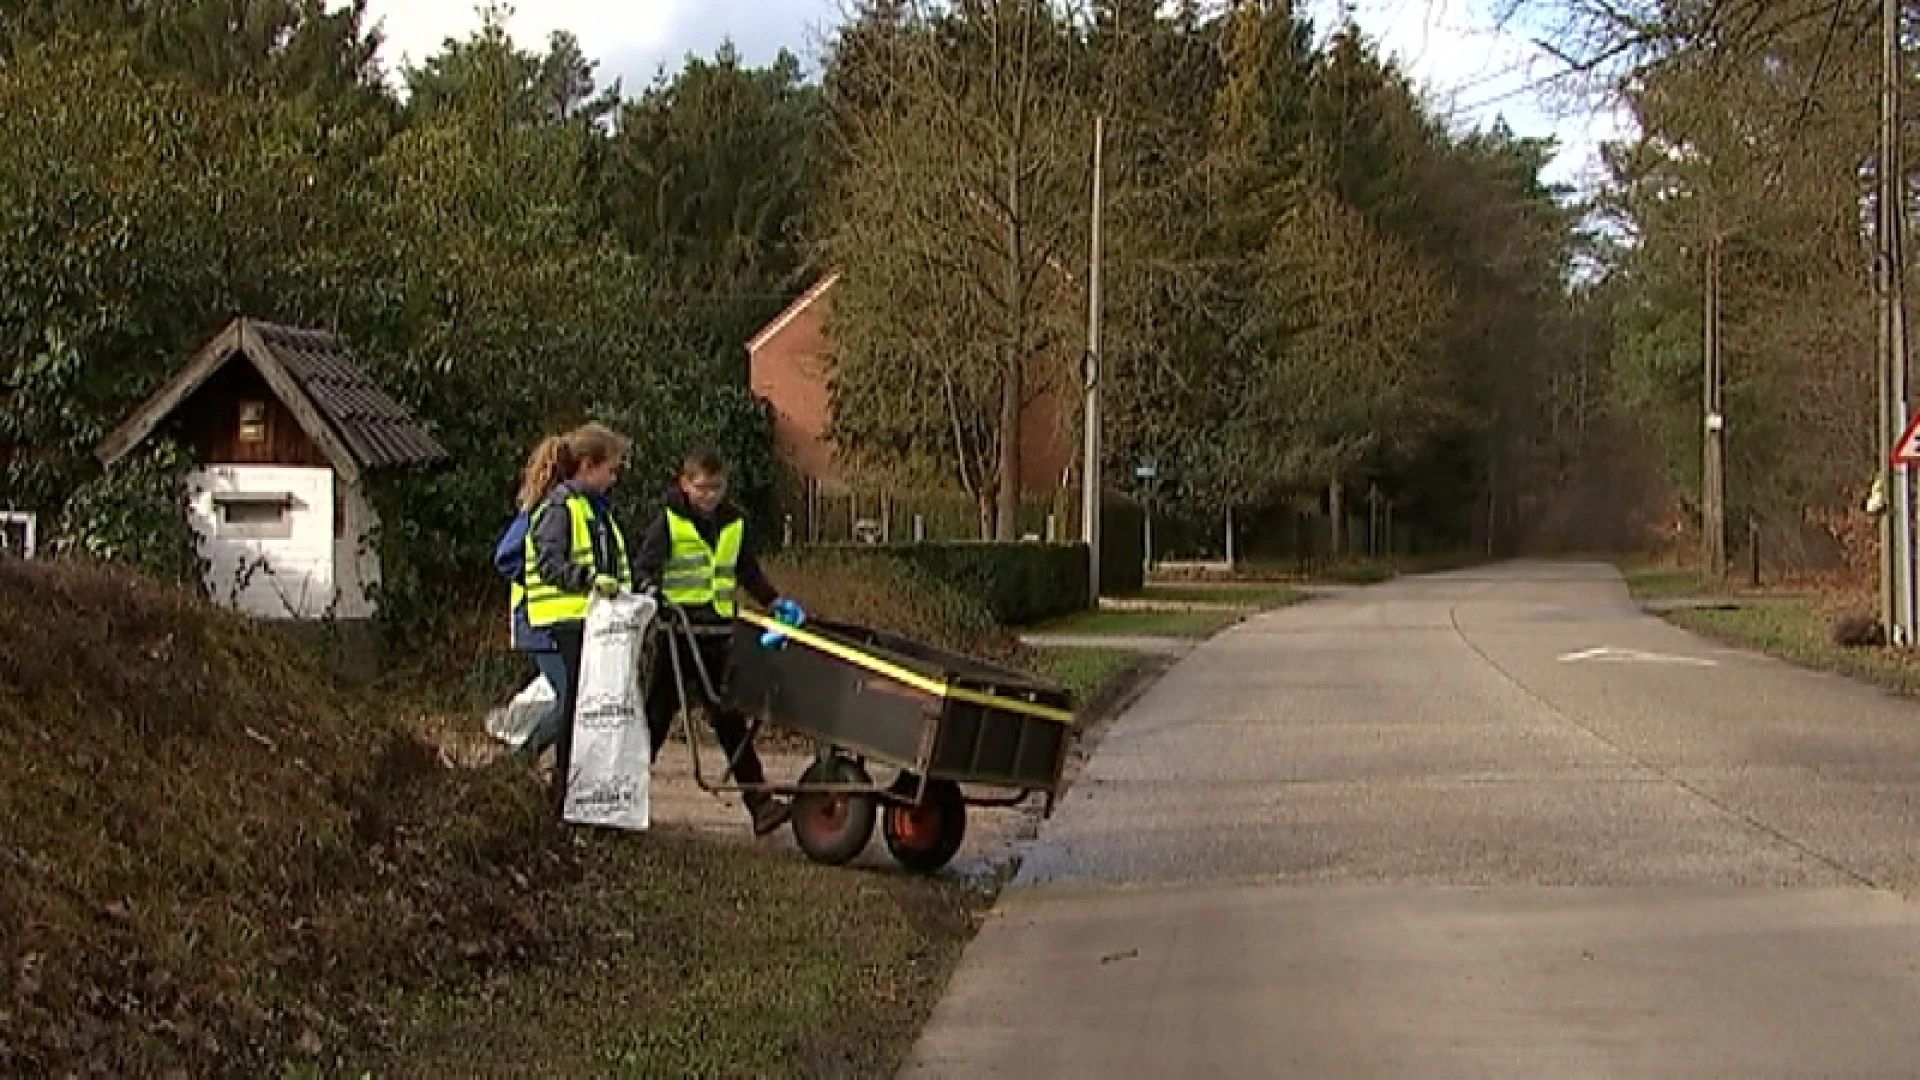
[790, 362]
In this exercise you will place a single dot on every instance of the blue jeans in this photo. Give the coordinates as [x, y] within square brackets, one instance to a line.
[554, 670]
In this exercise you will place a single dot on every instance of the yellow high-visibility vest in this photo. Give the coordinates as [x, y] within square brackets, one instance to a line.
[549, 604]
[697, 575]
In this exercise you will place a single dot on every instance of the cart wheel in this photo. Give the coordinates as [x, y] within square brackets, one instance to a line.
[833, 827]
[925, 837]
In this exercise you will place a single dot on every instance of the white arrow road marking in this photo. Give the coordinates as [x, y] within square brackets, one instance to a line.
[1607, 652]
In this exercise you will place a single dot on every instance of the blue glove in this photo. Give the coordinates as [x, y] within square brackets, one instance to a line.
[784, 611]
[789, 612]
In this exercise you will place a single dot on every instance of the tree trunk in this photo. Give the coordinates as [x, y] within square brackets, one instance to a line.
[1493, 501]
[1337, 510]
[1015, 359]
[1007, 525]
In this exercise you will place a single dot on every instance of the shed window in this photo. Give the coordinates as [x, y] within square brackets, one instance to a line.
[253, 513]
[253, 421]
[260, 514]
[17, 529]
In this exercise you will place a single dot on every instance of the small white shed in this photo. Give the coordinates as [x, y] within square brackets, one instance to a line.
[284, 427]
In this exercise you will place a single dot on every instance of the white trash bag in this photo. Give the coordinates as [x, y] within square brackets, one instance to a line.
[514, 722]
[611, 759]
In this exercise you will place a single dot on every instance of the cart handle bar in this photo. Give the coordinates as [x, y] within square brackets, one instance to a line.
[706, 682]
[936, 687]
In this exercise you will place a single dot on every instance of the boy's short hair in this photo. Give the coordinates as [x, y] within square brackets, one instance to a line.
[703, 461]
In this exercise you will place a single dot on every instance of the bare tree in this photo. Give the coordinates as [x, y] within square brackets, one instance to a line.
[958, 204]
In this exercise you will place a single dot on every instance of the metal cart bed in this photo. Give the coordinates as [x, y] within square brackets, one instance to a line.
[955, 730]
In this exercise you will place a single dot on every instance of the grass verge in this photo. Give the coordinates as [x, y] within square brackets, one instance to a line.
[673, 955]
[1256, 595]
[1353, 570]
[1797, 630]
[1194, 623]
[1663, 582]
[1084, 671]
[1274, 572]
[1353, 573]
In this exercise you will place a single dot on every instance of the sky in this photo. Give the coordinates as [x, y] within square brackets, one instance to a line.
[1472, 68]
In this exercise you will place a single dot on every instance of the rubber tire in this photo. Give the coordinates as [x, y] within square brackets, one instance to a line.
[925, 838]
[833, 828]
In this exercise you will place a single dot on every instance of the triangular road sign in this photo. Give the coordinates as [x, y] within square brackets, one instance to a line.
[1907, 450]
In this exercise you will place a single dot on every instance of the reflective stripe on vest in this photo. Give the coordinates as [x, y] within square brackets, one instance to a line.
[549, 604]
[697, 575]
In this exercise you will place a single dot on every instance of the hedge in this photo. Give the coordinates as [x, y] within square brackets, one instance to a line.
[1024, 583]
[850, 584]
[1018, 583]
[1123, 545]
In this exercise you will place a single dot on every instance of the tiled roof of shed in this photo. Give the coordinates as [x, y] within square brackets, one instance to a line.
[375, 428]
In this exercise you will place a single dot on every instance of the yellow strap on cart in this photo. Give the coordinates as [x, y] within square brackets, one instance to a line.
[912, 678]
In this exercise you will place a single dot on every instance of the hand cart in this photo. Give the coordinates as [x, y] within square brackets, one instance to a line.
[947, 725]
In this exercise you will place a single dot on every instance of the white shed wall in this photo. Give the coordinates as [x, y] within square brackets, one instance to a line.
[274, 562]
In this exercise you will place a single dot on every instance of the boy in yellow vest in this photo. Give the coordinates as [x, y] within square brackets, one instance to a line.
[698, 552]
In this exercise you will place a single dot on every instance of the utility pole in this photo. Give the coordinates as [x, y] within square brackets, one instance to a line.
[1713, 471]
[1897, 569]
[1148, 473]
[1090, 467]
[1146, 540]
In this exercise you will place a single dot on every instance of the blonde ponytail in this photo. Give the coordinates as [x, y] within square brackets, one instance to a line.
[559, 457]
[550, 463]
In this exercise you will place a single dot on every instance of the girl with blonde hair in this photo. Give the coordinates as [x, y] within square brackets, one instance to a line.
[572, 549]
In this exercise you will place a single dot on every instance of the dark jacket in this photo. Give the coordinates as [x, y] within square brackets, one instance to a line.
[553, 542]
[510, 559]
[657, 544]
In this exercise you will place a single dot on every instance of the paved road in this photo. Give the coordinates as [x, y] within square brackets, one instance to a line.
[1488, 823]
